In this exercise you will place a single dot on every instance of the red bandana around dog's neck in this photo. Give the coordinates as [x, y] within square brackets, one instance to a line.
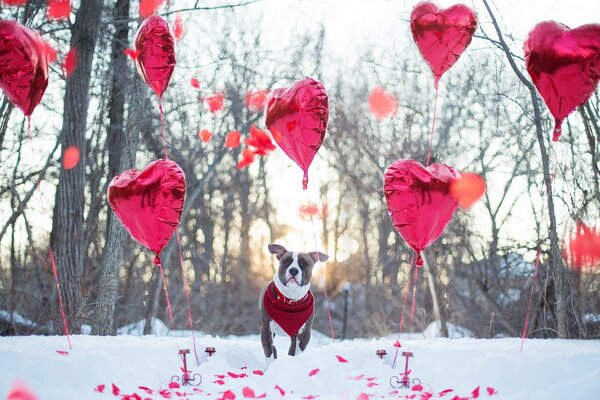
[289, 314]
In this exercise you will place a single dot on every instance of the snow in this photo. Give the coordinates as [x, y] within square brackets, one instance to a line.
[546, 369]
[433, 330]
[17, 318]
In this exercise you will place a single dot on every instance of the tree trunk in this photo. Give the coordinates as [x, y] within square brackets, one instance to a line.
[67, 237]
[118, 160]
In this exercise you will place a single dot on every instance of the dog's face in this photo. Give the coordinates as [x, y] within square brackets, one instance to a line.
[295, 268]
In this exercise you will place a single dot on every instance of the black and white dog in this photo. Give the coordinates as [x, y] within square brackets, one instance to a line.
[286, 305]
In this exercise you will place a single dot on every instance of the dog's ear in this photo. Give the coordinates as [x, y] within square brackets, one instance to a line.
[318, 256]
[278, 250]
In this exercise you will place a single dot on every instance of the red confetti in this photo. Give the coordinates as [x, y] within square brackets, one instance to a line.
[165, 393]
[382, 104]
[131, 53]
[585, 246]
[233, 139]
[372, 378]
[219, 382]
[362, 396]
[417, 388]
[178, 30]
[248, 393]
[255, 100]
[313, 372]
[228, 395]
[341, 359]
[308, 211]
[220, 376]
[356, 378]
[247, 158]
[133, 396]
[149, 7]
[146, 389]
[475, 393]
[233, 375]
[50, 52]
[205, 135]
[445, 392]
[174, 385]
[115, 390]
[70, 157]
[467, 189]
[281, 391]
[195, 83]
[215, 102]
[100, 388]
[426, 396]
[260, 141]
[70, 62]
[491, 391]
[20, 391]
[257, 372]
[58, 9]
[371, 384]
[14, 2]
[397, 344]
[62, 352]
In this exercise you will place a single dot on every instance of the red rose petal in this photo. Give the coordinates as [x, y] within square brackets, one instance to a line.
[445, 392]
[281, 391]
[341, 359]
[146, 389]
[195, 83]
[397, 344]
[115, 390]
[20, 391]
[228, 395]
[362, 396]
[417, 388]
[100, 388]
[382, 104]
[257, 372]
[70, 160]
[70, 62]
[356, 378]
[491, 391]
[248, 393]
[467, 189]
[174, 385]
[205, 135]
[233, 139]
[313, 372]
[178, 30]
[131, 53]
[475, 393]
[14, 2]
[149, 7]
[62, 352]
[215, 102]
[371, 384]
[50, 52]
[255, 100]
[58, 9]
[219, 382]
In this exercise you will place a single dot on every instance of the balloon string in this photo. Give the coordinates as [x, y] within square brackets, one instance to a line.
[433, 122]
[162, 274]
[525, 326]
[29, 134]
[323, 283]
[410, 269]
[186, 290]
[60, 300]
[414, 297]
[162, 127]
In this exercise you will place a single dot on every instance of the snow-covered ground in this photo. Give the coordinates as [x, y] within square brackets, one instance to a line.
[142, 367]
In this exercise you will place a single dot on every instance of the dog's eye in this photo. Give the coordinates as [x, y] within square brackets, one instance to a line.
[302, 263]
[286, 261]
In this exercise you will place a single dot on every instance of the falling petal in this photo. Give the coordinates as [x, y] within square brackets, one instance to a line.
[313, 372]
[215, 102]
[467, 189]
[131, 53]
[205, 135]
[233, 139]
[195, 83]
[70, 157]
[149, 7]
[247, 159]
[59, 9]
[382, 104]
[20, 391]
[70, 62]
[178, 30]
[255, 100]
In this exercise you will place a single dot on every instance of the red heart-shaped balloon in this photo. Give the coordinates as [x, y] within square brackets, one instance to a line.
[442, 34]
[564, 65]
[419, 201]
[297, 118]
[149, 202]
[23, 65]
[155, 44]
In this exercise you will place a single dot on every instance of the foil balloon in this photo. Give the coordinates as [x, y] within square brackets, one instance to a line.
[149, 202]
[564, 65]
[442, 34]
[297, 118]
[23, 65]
[419, 201]
[155, 46]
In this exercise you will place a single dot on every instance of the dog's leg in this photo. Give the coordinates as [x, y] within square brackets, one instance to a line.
[304, 336]
[266, 337]
[292, 351]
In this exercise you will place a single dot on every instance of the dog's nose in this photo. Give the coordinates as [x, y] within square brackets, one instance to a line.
[294, 271]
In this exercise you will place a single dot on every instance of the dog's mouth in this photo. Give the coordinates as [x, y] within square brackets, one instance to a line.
[292, 279]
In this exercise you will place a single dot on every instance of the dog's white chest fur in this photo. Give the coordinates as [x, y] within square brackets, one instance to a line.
[278, 330]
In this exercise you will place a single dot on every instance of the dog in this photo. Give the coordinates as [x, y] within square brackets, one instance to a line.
[286, 304]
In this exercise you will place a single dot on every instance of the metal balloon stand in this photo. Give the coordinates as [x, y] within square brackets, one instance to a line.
[189, 378]
[403, 379]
